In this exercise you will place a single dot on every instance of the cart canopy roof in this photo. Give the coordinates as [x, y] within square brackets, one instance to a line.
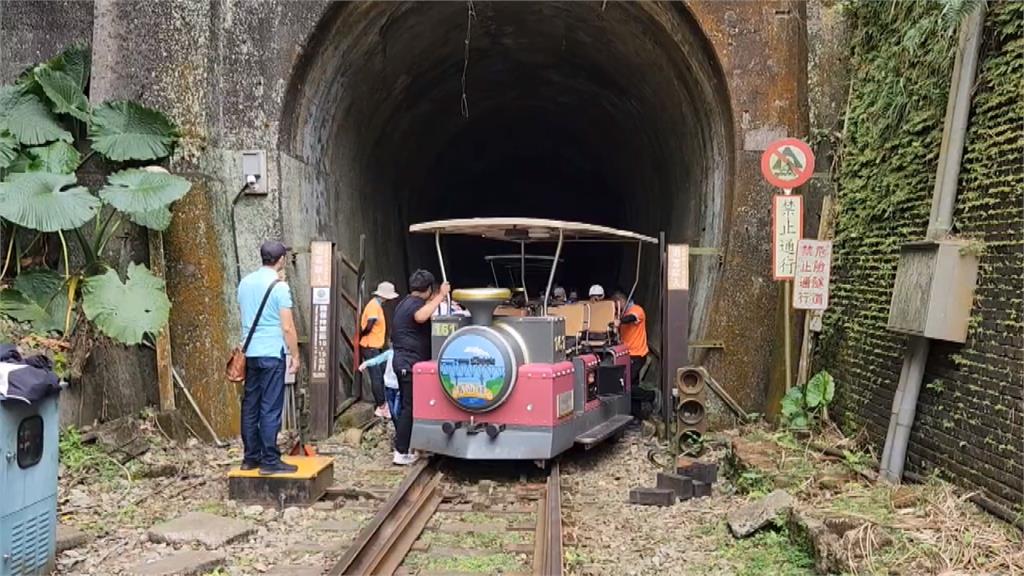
[529, 230]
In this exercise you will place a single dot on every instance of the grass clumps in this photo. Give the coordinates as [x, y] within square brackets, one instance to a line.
[498, 563]
[769, 552]
[81, 460]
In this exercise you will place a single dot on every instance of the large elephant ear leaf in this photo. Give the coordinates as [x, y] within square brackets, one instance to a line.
[58, 158]
[124, 130]
[126, 311]
[8, 149]
[31, 122]
[76, 62]
[64, 92]
[46, 202]
[10, 96]
[136, 190]
[37, 297]
[159, 219]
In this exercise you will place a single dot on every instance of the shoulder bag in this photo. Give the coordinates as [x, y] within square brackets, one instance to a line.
[235, 369]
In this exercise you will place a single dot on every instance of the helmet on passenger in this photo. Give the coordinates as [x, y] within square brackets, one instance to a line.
[596, 292]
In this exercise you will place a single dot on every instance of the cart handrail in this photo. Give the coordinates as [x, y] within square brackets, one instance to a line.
[529, 230]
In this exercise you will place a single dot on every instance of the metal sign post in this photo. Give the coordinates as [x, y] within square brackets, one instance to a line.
[786, 164]
[322, 367]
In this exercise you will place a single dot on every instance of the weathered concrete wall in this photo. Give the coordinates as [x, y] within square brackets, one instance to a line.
[762, 48]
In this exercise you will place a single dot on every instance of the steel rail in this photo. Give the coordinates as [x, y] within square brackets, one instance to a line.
[382, 545]
[547, 544]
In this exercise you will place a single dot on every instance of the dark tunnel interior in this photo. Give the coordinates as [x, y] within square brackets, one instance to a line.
[604, 113]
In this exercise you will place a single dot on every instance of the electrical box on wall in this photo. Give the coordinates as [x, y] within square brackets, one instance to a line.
[934, 290]
[254, 171]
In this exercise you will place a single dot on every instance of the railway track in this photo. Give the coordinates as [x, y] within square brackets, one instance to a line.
[414, 512]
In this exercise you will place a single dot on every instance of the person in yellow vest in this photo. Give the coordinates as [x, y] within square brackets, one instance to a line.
[632, 325]
[372, 334]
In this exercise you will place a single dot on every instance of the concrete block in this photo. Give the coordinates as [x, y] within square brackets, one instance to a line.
[701, 489]
[301, 488]
[652, 496]
[69, 537]
[207, 529]
[706, 472]
[681, 485]
[187, 563]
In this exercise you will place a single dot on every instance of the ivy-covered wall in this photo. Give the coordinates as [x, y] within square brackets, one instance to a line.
[970, 420]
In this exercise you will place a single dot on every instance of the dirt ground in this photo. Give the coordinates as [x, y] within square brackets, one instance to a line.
[929, 529]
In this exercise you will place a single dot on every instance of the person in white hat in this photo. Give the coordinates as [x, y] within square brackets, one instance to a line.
[596, 293]
[372, 334]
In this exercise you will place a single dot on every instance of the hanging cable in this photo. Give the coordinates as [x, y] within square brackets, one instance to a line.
[470, 16]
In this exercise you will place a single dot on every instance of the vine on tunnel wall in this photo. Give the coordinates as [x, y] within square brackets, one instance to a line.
[971, 410]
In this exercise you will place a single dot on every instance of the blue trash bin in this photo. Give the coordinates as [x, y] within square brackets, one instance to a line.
[28, 486]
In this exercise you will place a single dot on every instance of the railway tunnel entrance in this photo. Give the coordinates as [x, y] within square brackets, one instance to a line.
[605, 113]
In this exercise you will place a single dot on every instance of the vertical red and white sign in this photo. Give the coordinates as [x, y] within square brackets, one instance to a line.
[787, 229]
[321, 256]
[813, 266]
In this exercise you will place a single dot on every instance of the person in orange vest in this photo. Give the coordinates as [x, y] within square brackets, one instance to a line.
[632, 326]
[372, 334]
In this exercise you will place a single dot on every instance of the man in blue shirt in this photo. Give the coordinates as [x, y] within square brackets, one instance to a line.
[263, 396]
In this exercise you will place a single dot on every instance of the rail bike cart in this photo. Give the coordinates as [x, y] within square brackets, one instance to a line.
[508, 383]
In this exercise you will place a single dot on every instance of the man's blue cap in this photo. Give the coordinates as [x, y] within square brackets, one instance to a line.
[272, 251]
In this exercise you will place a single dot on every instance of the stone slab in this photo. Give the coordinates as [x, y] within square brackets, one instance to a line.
[69, 537]
[652, 496]
[209, 530]
[753, 516]
[186, 563]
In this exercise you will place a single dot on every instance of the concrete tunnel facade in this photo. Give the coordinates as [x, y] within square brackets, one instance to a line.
[645, 116]
[566, 111]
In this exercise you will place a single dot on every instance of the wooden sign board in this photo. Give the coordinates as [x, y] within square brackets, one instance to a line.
[321, 339]
[787, 229]
[813, 266]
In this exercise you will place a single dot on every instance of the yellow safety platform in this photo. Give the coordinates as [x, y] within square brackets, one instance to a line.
[304, 486]
[309, 467]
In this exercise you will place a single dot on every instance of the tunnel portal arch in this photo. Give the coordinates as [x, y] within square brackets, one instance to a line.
[614, 114]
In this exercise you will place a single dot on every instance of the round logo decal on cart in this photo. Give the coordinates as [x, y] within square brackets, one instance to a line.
[477, 369]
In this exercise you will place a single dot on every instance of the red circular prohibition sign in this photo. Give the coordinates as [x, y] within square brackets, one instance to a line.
[787, 163]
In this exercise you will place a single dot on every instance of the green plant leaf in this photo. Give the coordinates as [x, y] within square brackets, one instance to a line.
[800, 422]
[38, 297]
[8, 149]
[25, 163]
[31, 122]
[76, 62]
[126, 311]
[820, 390]
[46, 202]
[135, 190]
[123, 130]
[793, 402]
[64, 92]
[57, 158]
[159, 219]
[10, 96]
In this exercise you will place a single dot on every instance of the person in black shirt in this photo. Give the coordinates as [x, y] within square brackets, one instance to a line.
[410, 339]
